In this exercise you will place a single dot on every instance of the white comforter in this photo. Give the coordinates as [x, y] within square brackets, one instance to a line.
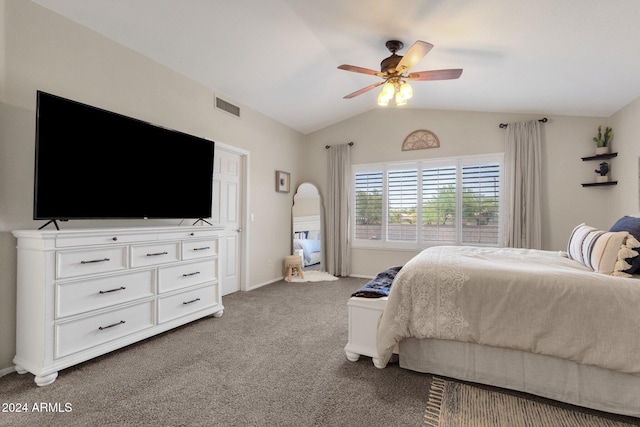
[536, 301]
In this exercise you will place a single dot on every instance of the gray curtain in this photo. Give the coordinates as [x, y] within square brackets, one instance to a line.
[338, 212]
[523, 225]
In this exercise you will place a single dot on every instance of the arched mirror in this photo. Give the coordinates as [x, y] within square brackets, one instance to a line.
[308, 226]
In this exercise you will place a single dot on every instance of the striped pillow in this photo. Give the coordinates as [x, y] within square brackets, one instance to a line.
[602, 251]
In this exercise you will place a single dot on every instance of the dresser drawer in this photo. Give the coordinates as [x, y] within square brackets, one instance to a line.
[159, 253]
[184, 275]
[85, 262]
[200, 233]
[87, 332]
[199, 249]
[116, 237]
[178, 305]
[81, 296]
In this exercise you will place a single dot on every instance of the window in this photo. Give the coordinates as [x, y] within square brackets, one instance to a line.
[429, 202]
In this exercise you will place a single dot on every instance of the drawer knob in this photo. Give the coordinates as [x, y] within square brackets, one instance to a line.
[95, 260]
[121, 288]
[102, 328]
[190, 274]
[192, 301]
[158, 253]
[115, 239]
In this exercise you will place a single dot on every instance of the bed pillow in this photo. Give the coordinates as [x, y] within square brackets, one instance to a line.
[313, 235]
[630, 223]
[602, 251]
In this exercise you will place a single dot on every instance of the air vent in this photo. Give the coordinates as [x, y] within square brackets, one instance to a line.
[228, 107]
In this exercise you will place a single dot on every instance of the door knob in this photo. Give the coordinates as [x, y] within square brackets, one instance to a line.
[238, 230]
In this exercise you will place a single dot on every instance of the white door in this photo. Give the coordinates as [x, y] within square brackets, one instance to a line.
[227, 211]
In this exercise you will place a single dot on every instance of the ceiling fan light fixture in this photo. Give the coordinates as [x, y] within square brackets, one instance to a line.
[383, 100]
[400, 100]
[406, 90]
[388, 90]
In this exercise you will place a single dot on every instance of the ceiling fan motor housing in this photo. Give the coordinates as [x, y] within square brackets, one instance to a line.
[389, 64]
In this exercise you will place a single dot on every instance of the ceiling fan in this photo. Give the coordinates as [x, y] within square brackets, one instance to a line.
[395, 72]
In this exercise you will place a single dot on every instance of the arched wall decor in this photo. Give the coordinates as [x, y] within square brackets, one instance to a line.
[419, 140]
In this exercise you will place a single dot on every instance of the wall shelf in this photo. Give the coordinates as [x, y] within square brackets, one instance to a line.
[599, 184]
[600, 157]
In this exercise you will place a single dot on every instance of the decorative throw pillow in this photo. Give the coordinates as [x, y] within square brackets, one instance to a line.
[602, 251]
[630, 223]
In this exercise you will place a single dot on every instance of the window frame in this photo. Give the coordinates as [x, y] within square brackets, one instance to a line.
[385, 167]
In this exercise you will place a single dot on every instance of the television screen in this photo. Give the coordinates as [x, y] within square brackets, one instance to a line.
[94, 164]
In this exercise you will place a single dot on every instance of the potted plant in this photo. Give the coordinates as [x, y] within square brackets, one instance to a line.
[603, 172]
[603, 140]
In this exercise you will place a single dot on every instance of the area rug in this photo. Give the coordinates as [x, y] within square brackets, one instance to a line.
[314, 276]
[454, 404]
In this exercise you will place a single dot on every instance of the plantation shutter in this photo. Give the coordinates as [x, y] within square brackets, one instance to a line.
[439, 204]
[480, 204]
[402, 196]
[368, 205]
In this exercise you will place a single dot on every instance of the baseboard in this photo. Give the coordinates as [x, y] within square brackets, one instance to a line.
[7, 371]
[362, 276]
[259, 285]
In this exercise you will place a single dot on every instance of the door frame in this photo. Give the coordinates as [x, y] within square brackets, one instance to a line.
[245, 212]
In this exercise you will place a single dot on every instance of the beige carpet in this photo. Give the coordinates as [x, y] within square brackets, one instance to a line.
[455, 404]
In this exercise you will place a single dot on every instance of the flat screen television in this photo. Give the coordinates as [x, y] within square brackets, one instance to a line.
[95, 164]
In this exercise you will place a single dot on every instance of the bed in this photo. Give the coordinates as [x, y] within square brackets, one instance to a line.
[306, 239]
[563, 325]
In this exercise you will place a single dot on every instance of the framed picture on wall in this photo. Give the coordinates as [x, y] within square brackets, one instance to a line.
[283, 181]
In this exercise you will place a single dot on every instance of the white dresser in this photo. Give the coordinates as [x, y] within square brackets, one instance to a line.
[84, 292]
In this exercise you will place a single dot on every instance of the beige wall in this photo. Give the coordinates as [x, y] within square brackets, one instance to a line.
[625, 168]
[378, 136]
[43, 51]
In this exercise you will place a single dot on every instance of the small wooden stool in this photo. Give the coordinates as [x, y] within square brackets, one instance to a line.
[293, 265]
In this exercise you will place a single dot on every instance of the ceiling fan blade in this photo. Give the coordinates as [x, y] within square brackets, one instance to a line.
[452, 73]
[361, 70]
[415, 53]
[363, 90]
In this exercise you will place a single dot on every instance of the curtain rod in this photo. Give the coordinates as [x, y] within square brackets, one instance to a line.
[542, 120]
[349, 144]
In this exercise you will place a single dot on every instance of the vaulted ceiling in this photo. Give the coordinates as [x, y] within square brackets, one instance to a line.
[280, 57]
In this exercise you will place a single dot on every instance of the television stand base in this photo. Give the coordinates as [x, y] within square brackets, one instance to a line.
[54, 222]
[201, 220]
